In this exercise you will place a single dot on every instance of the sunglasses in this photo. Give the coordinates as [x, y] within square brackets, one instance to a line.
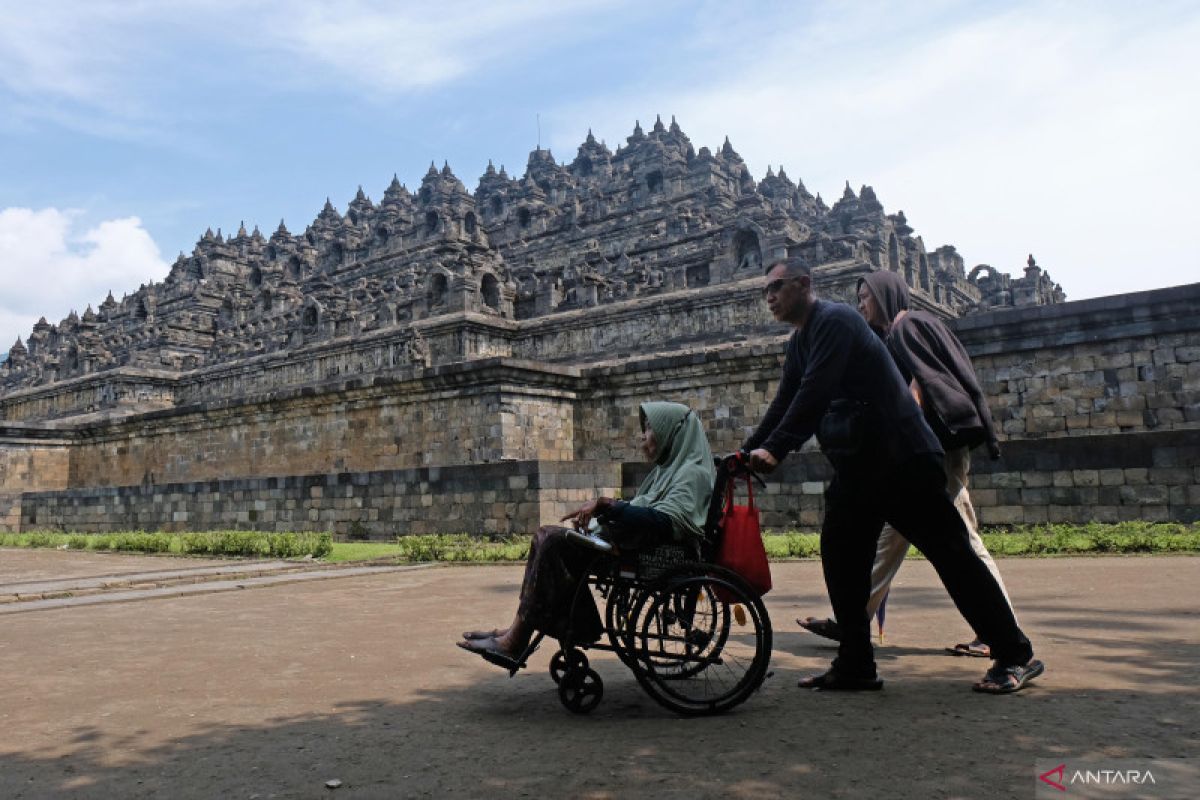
[774, 286]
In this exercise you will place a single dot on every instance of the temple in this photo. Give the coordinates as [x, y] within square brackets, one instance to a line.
[653, 218]
[447, 360]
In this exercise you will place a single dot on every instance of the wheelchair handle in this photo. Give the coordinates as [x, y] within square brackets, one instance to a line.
[737, 464]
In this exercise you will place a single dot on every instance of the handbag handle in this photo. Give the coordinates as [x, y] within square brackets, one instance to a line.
[749, 491]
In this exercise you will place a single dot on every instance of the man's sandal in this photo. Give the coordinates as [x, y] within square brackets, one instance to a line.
[1006, 680]
[834, 681]
[821, 627]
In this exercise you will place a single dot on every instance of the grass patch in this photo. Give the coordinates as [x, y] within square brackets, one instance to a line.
[1044, 540]
[362, 551]
[1039, 540]
[446, 547]
[1122, 537]
[209, 543]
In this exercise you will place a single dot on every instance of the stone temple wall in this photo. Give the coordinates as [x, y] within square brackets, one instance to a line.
[494, 411]
[1099, 402]
[29, 462]
[483, 499]
[1110, 365]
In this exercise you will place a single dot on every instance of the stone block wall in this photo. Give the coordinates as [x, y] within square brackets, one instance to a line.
[1150, 476]
[30, 460]
[640, 327]
[507, 497]
[1127, 363]
[729, 387]
[129, 390]
[501, 409]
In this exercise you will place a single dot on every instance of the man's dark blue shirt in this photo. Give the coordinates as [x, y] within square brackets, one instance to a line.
[836, 355]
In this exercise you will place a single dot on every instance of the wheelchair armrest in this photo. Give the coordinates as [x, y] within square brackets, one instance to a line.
[589, 539]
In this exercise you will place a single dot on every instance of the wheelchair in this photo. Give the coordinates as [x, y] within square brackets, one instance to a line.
[695, 635]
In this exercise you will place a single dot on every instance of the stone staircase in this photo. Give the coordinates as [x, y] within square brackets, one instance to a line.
[127, 587]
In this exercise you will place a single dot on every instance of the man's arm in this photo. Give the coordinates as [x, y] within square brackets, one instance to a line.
[789, 382]
[832, 343]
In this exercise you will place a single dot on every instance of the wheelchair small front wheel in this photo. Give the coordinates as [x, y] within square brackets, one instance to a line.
[580, 690]
[565, 661]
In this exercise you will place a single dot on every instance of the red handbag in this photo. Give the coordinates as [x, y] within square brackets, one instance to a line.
[742, 548]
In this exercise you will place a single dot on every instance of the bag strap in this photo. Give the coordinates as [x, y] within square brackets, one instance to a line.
[729, 494]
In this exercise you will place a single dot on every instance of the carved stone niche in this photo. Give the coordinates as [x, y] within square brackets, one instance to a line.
[494, 297]
[447, 293]
[698, 275]
[747, 251]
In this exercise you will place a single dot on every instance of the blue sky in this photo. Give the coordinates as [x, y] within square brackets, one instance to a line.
[127, 128]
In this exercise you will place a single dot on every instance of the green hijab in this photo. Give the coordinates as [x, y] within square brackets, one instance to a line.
[681, 482]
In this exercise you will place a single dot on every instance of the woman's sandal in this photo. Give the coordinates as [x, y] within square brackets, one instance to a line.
[491, 651]
[494, 633]
[976, 649]
[1006, 680]
[821, 627]
[834, 681]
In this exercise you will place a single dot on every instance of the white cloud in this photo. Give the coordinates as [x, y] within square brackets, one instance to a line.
[48, 267]
[104, 53]
[389, 46]
[1034, 128]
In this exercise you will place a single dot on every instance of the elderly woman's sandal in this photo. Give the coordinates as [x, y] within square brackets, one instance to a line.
[494, 633]
[491, 651]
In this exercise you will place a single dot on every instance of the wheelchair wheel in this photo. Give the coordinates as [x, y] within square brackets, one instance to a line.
[703, 641]
[619, 622]
[565, 661]
[580, 690]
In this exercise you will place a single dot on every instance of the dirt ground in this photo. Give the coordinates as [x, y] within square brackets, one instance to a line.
[272, 692]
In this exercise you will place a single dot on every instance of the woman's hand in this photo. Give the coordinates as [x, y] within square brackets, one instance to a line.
[581, 516]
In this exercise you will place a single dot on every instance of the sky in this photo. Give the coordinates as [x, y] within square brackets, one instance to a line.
[128, 127]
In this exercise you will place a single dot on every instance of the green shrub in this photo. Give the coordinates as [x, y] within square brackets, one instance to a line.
[141, 542]
[211, 543]
[195, 544]
[323, 545]
[41, 539]
[293, 545]
[462, 547]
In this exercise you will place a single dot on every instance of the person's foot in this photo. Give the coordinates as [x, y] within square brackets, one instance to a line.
[493, 652]
[835, 681]
[977, 649]
[821, 627]
[513, 642]
[1006, 680]
[494, 633]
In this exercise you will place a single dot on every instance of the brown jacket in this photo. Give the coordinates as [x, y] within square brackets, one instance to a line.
[927, 351]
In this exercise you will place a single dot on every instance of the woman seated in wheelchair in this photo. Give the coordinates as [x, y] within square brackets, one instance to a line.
[670, 506]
